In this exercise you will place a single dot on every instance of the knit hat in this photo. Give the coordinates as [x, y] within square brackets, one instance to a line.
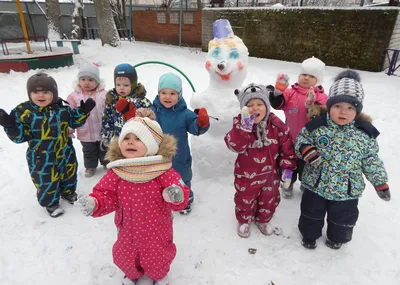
[171, 81]
[42, 82]
[148, 131]
[254, 91]
[128, 71]
[346, 88]
[90, 70]
[315, 67]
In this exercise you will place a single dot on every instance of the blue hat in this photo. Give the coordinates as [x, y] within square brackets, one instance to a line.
[128, 71]
[171, 81]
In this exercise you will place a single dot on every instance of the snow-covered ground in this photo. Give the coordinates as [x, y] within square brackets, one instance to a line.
[76, 250]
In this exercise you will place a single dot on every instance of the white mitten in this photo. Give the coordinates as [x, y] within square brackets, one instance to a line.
[87, 204]
[173, 194]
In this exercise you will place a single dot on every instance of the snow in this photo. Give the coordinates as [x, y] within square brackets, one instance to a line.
[73, 249]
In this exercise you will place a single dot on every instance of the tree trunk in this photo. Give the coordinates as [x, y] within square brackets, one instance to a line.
[53, 19]
[77, 15]
[108, 31]
[199, 5]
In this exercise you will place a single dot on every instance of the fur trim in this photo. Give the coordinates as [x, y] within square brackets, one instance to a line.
[167, 149]
[109, 97]
[140, 90]
[146, 112]
[317, 110]
[365, 117]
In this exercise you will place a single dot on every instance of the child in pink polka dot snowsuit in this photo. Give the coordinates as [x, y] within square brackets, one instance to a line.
[142, 188]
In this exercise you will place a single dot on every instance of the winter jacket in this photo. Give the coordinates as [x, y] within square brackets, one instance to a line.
[112, 120]
[143, 218]
[178, 121]
[347, 152]
[292, 102]
[89, 132]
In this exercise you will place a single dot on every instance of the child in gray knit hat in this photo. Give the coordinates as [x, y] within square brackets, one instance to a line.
[338, 148]
[265, 154]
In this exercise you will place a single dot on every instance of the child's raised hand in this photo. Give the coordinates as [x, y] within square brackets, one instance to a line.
[173, 194]
[87, 204]
[383, 192]
[6, 120]
[282, 82]
[310, 99]
[87, 106]
[203, 120]
[126, 108]
[247, 121]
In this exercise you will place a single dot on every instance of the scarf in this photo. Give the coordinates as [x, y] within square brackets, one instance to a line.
[141, 169]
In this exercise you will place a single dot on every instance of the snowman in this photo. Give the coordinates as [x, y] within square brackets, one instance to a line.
[226, 63]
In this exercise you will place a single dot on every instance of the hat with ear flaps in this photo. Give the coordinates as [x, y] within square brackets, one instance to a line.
[257, 91]
[42, 82]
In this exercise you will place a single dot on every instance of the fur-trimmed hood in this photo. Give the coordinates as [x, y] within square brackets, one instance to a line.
[112, 95]
[317, 110]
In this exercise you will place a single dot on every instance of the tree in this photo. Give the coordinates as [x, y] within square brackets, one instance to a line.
[53, 16]
[108, 30]
[76, 32]
[118, 8]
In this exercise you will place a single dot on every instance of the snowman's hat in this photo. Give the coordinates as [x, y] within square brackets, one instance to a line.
[222, 29]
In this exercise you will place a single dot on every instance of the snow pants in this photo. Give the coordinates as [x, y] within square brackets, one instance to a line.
[256, 198]
[341, 217]
[92, 154]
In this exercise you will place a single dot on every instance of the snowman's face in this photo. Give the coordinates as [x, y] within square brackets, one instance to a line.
[227, 60]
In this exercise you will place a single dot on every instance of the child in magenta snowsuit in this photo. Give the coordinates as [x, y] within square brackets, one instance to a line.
[142, 188]
[265, 152]
[296, 101]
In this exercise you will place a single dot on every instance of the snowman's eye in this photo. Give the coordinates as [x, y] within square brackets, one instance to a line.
[234, 54]
[216, 52]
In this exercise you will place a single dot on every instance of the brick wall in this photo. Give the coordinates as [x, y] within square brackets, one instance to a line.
[148, 26]
[394, 41]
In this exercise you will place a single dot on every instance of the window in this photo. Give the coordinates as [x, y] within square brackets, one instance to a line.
[188, 18]
[174, 18]
[161, 18]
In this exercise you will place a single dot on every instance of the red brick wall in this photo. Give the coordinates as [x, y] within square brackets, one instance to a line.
[146, 28]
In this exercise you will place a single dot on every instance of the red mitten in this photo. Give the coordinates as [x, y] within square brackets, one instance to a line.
[203, 120]
[127, 109]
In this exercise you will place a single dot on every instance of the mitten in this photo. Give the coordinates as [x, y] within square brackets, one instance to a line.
[310, 99]
[6, 120]
[311, 155]
[247, 120]
[173, 194]
[383, 192]
[282, 82]
[286, 178]
[203, 120]
[87, 106]
[87, 204]
[126, 108]
[104, 144]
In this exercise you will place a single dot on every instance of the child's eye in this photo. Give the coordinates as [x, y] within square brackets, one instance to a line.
[45, 92]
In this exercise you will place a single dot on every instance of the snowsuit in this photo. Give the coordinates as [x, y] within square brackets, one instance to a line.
[143, 219]
[50, 155]
[112, 120]
[178, 121]
[89, 133]
[257, 170]
[335, 186]
[292, 102]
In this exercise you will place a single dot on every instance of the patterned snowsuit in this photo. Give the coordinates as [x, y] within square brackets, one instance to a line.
[51, 156]
[144, 221]
[112, 119]
[335, 186]
[257, 170]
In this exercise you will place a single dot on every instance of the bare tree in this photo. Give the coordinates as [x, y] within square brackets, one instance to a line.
[53, 16]
[108, 30]
[118, 8]
[76, 32]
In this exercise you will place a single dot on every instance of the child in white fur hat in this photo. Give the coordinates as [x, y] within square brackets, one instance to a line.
[88, 86]
[142, 188]
[296, 101]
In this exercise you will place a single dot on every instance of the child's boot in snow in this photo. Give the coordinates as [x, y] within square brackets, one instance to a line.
[127, 281]
[265, 228]
[70, 198]
[163, 281]
[287, 193]
[332, 244]
[309, 244]
[243, 230]
[55, 210]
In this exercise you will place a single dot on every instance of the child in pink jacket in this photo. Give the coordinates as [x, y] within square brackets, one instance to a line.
[265, 154]
[295, 103]
[89, 86]
[142, 188]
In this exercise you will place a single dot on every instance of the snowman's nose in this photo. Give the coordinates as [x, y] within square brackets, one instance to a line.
[221, 66]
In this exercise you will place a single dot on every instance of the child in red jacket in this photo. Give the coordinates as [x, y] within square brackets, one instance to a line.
[142, 188]
[265, 153]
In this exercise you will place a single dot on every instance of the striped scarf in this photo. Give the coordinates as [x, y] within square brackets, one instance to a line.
[141, 169]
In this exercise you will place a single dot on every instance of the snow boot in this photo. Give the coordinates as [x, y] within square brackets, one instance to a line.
[287, 193]
[309, 244]
[243, 230]
[187, 210]
[265, 228]
[70, 198]
[55, 210]
[332, 244]
[89, 172]
[163, 281]
[127, 281]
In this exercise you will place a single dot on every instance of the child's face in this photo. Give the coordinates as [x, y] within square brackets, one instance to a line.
[123, 86]
[307, 81]
[132, 147]
[168, 97]
[342, 113]
[257, 107]
[42, 98]
[87, 83]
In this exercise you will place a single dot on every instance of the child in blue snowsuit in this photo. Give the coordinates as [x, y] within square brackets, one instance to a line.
[43, 122]
[176, 119]
[126, 86]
